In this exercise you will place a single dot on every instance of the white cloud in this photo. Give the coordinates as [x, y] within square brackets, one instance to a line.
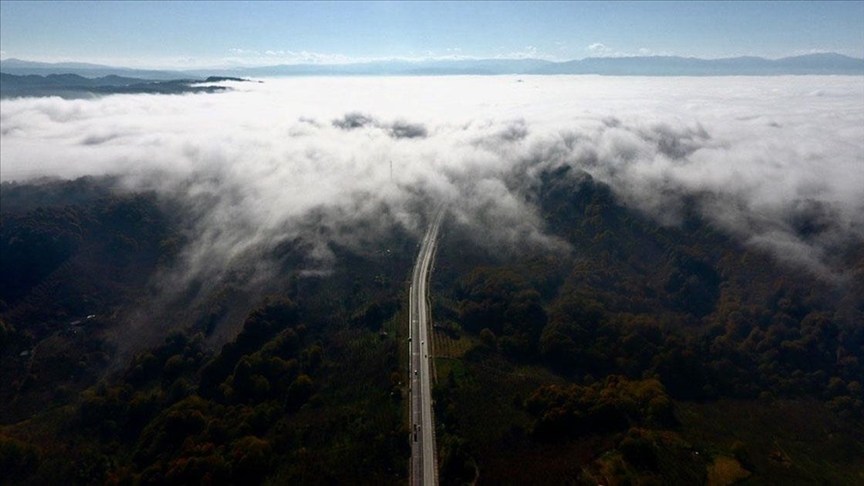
[527, 52]
[243, 52]
[244, 57]
[251, 58]
[601, 50]
[761, 153]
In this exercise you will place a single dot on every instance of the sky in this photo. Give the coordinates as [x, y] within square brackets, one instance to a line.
[223, 34]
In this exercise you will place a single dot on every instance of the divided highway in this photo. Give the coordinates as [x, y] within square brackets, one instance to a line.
[424, 470]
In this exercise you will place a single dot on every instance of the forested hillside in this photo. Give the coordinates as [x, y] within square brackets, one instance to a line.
[108, 380]
[625, 352]
[646, 354]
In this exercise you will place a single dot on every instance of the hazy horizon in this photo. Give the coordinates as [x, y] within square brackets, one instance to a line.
[420, 60]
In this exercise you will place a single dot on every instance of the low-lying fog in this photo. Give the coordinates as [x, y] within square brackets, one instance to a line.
[761, 153]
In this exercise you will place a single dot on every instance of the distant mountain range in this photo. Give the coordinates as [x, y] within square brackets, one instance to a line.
[76, 86]
[691, 66]
[827, 63]
[22, 68]
[617, 66]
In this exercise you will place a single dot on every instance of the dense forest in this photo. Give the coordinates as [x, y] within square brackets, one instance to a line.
[647, 355]
[631, 353]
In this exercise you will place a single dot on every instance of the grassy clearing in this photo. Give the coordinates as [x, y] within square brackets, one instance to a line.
[726, 470]
[780, 442]
[445, 345]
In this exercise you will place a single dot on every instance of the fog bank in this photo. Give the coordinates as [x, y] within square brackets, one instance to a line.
[777, 161]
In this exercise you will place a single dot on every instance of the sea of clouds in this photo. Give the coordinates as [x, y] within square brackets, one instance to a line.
[776, 161]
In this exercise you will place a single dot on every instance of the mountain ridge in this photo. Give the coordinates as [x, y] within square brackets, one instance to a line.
[819, 63]
[73, 86]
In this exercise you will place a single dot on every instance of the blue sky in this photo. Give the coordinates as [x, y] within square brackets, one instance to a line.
[199, 34]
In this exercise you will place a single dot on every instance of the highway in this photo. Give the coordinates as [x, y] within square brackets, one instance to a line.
[424, 470]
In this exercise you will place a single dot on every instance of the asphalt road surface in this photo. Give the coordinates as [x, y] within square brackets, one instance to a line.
[424, 470]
